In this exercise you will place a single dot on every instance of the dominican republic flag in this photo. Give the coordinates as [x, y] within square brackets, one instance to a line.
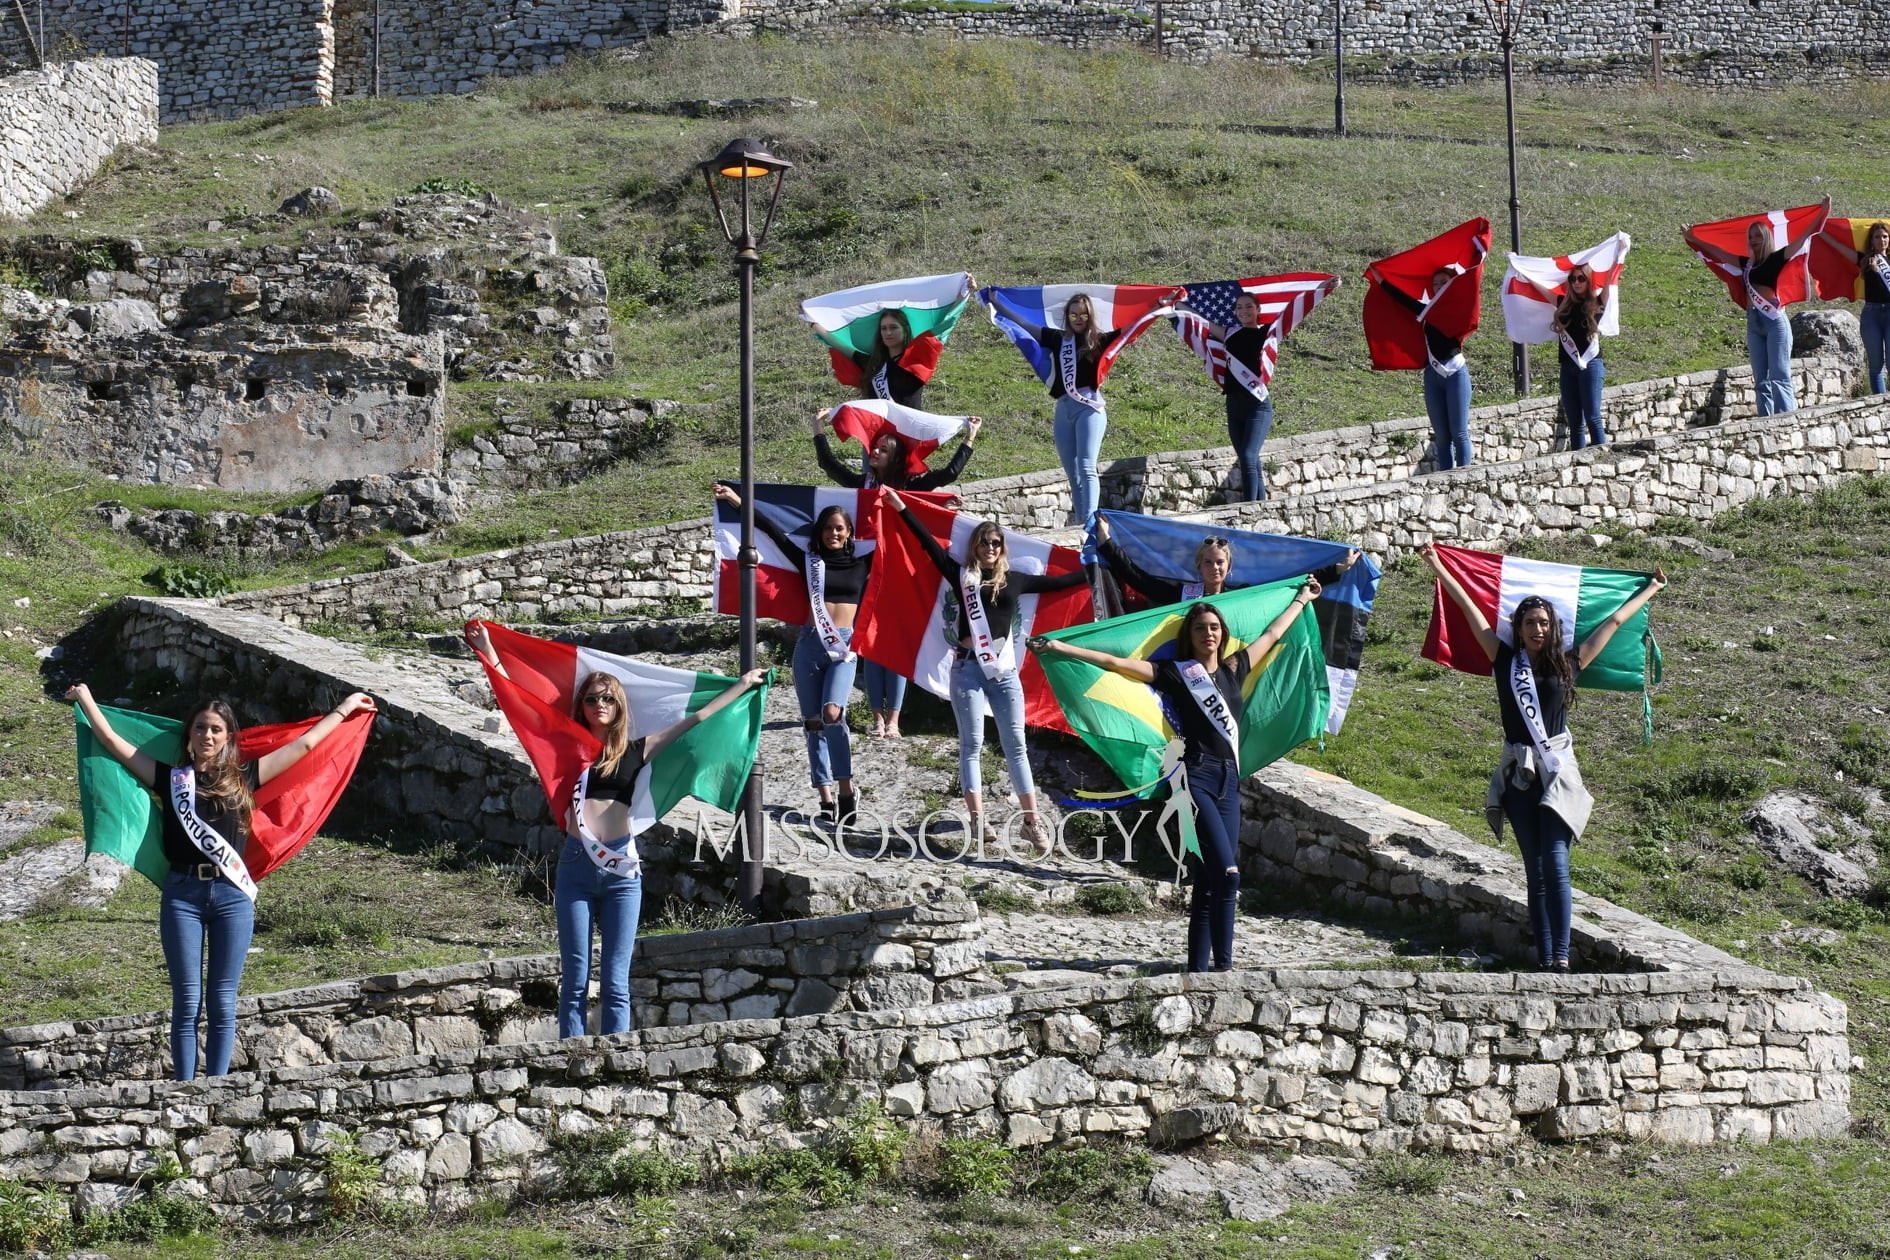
[1129, 308]
[1164, 548]
[1794, 283]
[1835, 277]
[908, 621]
[921, 431]
[123, 819]
[1531, 320]
[1392, 331]
[848, 321]
[1284, 299]
[709, 762]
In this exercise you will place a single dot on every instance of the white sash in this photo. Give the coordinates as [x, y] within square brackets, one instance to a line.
[1881, 265]
[830, 638]
[995, 657]
[881, 389]
[1193, 590]
[1583, 356]
[1522, 688]
[215, 848]
[1208, 698]
[1445, 370]
[1066, 365]
[606, 859]
[1563, 792]
[1245, 376]
[1757, 300]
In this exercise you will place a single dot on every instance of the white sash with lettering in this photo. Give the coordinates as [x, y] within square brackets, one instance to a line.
[994, 655]
[606, 859]
[881, 388]
[1757, 300]
[215, 848]
[1582, 356]
[1562, 788]
[1066, 366]
[1881, 265]
[831, 641]
[1244, 376]
[1193, 590]
[1208, 698]
[1445, 370]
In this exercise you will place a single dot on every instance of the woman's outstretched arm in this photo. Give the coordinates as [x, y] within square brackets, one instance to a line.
[273, 764]
[1127, 666]
[670, 734]
[1588, 649]
[142, 766]
[1713, 251]
[1277, 628]
[1479, 624]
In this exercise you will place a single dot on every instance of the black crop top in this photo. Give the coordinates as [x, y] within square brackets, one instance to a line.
[621, 783]
[1548, 687]
[1874, 288]
[1766, 270]
[930, 479]
[1000, 608]
[1198, 733]
[906, 387]
[1574, 319]
[1247, 345]
[1051, 339]
[1442, 347]
[178, 850]
[846, 572]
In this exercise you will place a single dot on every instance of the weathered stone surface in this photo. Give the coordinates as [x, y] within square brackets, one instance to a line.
[1799, 833]
[314, 202]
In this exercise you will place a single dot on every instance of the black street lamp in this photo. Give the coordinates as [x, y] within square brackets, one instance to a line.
[1506, 17]
[1338, 67]
[736, 169]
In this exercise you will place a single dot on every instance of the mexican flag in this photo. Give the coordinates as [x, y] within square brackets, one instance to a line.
[710, 762]
[1127, 722]
[123, 818]
[921, 431]
[849, 320]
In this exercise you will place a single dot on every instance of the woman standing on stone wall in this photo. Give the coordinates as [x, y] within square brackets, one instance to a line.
[1446, 374]
[1577, 326]
[1873, 265]
[1768, 326]
[1537, 785]
[207, 805]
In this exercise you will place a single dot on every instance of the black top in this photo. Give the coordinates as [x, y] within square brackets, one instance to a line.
[1443, 348]
[930, 479]
[1160, 591]
[1246, 344]
[1582, 327]
[621, 783]
[1766, 270]
[846, 571]
[1051, 339]
[1000, 607]
[1874, 289]
[1201, 736]
[178, 850]
[1548, 687]
[907, 389]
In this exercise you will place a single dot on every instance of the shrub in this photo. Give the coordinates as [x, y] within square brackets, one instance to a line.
[594, 1162]
[865, 1148]
[190, 581]
[1845, 914]
[1407, 1174]
[974, 1166]
[33, 1220]
[352, 1178]
[1107, 899]
[1090, 1174]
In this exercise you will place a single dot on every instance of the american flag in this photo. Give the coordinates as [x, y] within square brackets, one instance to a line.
[1285, 300]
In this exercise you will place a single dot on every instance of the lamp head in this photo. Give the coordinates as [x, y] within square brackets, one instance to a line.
[742, 161]
[745, 159]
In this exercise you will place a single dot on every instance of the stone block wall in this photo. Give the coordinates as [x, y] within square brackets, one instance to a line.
[880, 960]
[1366, 1061]
[59, 124]
[583, 436]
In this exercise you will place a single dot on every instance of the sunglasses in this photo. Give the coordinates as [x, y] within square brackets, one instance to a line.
[992, 542]
[600, 699]
[1215, 541]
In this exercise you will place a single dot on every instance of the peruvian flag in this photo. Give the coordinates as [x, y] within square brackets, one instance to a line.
[1835, 277]
[709, 762]
[908, 621]
[124, 821]
[849, 320]
[1531, 319]
[1125, 308]
[921, 431]
[1582, 598]
[1284, 301]
[1794, 282]
[1392, 330]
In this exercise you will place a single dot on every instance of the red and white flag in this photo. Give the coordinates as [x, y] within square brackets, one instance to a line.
[921, 431]
[1531, 318]
[1794, 283]
[1394, 336]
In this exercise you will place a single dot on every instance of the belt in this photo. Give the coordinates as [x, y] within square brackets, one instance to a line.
[205, 871]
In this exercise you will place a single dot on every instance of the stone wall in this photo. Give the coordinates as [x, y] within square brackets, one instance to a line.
[582, 436]
[881, 960]
[59, 125]
[1366, 1061]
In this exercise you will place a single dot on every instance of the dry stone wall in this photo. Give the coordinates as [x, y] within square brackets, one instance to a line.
[59, 124]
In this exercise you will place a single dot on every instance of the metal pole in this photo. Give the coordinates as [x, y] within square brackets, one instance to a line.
[1515, 202]
[1161, 49]
[1338, 66]
[377, 49]
[754, 848]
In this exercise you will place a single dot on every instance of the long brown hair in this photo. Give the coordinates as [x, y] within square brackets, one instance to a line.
[1184, 634]
[223, 780]
[1089, 341]
[1875, 228]
[999, 571]
[896, 474]
[1590, 306]
[616, 730]
[1551, 657]
[877, 357]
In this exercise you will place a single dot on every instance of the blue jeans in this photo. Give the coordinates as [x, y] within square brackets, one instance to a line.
[586, 896]
[1769, 346]
[819, 681]
[1581, 402]
[885, 688]
[1544, 839]
[1875, 323]
[1447, 402]
[190, 911]
[972, 692]
[1214, 790]
[1249, 420]
[1079, 433]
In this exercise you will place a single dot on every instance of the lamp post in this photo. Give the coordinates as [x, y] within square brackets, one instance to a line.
[1506, 17]
[1338, 67]
[735, 170]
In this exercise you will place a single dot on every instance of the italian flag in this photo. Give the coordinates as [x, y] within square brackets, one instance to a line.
[124, 820]
[709, 762]
[1582, 597]
[922, 431]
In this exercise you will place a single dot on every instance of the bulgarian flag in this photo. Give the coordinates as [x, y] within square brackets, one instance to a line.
[124, 820]
[1582, 598]
[908, 620]
[1392, 331]
[1794, 282]
[1531, 319]
[1128, 723]
[848, 321]
[921, 431]
[1128, 309]
[1835, 277]
[709, 762]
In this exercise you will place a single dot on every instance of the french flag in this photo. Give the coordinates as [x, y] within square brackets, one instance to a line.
[1531, 320]
[1129, 308]
[1794, 282]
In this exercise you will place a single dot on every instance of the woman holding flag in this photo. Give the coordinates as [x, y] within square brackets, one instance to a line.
[1537, 784]
[897, 365]
[1577, 327]
[1446, 373]
[600, 881]
[1204, 691]
[207, 806]
[986, 669]
[1768, 326]
[1873, 267]
[1249, 415]
[1213, 560]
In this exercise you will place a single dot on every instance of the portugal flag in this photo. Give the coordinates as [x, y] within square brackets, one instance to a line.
[123, 819]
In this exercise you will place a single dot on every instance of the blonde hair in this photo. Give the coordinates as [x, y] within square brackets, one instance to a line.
[1002, 568]
[617, 730]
